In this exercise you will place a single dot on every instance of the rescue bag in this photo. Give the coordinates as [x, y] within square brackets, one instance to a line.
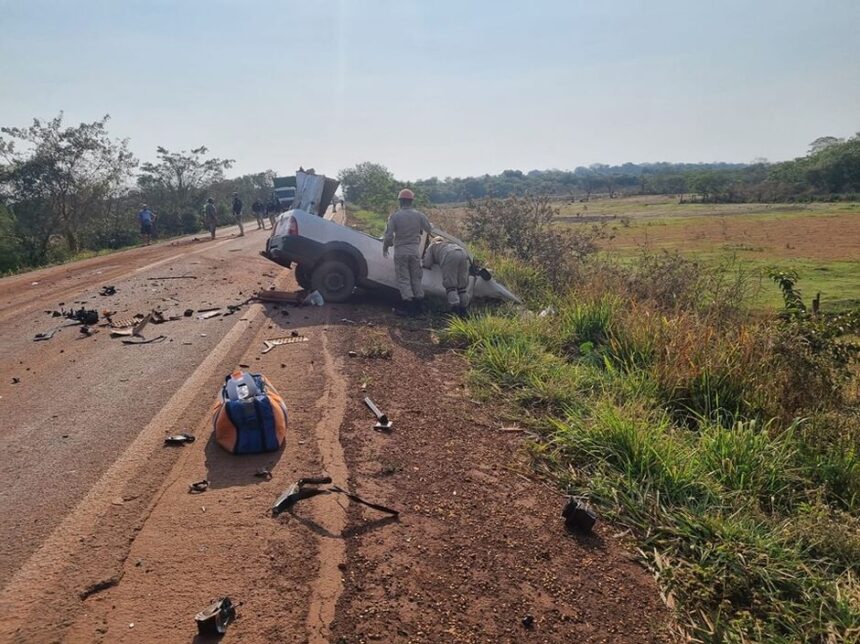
[250, 416]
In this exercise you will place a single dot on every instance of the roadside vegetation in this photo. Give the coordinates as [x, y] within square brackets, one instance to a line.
[725, 441]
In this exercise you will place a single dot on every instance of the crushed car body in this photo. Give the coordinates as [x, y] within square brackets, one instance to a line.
[333, 259]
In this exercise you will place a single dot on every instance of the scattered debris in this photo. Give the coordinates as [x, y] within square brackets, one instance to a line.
[84, 316]
[528, 622]
[188, 313]
[174, 277]
[297, 492]
[122, 323]
[578, 516]
[157, 317]
[276, 342]
[131, 330]
[382, 423]
[88, 330]
[15, 381]
[263, 473]
[214, 619]
[47, 335]
[198, 487]
[179, 439]
[348, 321]
[547, 312]
[314, 298]
[107, 291]
[511, 430]
[160, 338]
[352, 354]
[209, 314]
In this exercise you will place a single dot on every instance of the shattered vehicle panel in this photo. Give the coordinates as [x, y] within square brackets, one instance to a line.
[334, 258]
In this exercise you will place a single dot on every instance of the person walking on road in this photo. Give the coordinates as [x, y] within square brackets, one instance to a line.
[146, 219]
[237, 213]
[273, 209]
[404, 233]
[210, 216]
[454, 262]
[257, 208]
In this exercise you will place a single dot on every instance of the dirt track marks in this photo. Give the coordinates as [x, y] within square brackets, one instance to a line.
[328, 585]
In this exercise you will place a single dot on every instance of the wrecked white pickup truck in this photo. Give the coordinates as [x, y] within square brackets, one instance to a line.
[333, 259]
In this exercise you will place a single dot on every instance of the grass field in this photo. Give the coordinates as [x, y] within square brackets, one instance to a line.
[821, 241]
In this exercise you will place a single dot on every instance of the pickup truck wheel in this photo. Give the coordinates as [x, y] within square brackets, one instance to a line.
[334, 280]
[303, 277]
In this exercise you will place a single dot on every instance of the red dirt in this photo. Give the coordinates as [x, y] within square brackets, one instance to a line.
[102, 532]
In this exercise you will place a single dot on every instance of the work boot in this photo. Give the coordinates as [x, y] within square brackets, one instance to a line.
[405, 309]
[417, 307]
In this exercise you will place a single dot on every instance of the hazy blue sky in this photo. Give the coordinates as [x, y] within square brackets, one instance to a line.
[441, 88]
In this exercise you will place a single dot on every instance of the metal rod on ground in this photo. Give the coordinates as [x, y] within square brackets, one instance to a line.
[383, 422]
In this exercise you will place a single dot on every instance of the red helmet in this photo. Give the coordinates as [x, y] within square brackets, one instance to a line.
[406, 193]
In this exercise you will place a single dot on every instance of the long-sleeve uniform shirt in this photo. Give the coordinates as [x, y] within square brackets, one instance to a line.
[404, 232]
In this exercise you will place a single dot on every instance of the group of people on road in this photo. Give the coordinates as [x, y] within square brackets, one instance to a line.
[146, 217]
[403, 232]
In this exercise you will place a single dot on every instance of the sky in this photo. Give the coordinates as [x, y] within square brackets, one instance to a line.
[440, 87]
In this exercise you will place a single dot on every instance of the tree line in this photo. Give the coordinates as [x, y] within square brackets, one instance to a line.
[67, 189]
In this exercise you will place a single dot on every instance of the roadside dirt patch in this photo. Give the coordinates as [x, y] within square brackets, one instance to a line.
[480, 545]
[833, 237]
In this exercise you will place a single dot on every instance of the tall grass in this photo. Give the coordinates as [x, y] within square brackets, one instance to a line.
[729, 444]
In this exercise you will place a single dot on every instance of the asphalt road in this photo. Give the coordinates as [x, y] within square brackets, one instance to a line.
[71, 405]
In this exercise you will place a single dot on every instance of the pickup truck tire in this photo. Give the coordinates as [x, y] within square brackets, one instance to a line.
[334, 279]
[303, 277]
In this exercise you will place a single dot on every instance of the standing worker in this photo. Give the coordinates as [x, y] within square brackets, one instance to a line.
[210, 216]
[237, 213]
[273, 209]
[454, 262]
[404, 233]
[257, 208]
[146, 219]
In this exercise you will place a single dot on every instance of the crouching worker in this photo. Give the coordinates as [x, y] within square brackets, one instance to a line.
[454, 262]
[404, 233]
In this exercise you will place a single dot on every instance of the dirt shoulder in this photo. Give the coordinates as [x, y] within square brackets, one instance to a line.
[480, 544]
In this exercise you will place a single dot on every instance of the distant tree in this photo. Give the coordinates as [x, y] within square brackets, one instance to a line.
[61, 181]
[822, 143]
[370, 185]
[174, 186]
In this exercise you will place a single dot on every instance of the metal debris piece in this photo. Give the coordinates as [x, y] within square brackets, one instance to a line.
[84, 316]
[198, 487]
[188, 313]
[122, 323]
[160, 338]
[209, 314]
[47, 335]
[88, 330]
[297, 491]
[108, 290]
[15, 381]
[132, 330]
[214, 619]
[382, 420]
[179, 439]
[578, 516]
[276, 342]
[528, 622]
[174, 277]
[263, 473]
